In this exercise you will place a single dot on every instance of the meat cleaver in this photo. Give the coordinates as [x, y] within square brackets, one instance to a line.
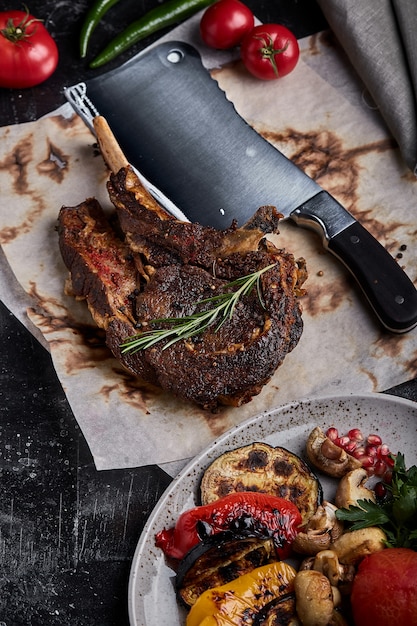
[204, 163]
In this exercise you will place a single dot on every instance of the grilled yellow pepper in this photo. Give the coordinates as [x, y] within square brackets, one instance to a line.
[238, 602]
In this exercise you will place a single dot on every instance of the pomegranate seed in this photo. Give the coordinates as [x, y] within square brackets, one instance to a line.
[351, 446]
[380, 468]
[332, 433]
[373, 455]
[383, 450]
[366, 461]
[390, 461]
[356, 434]
[371, 450]
[380, 490]
[343, 441]
[374, 440]
[359, 452]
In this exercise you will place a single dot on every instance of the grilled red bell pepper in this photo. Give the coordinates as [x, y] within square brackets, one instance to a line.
[246, 512]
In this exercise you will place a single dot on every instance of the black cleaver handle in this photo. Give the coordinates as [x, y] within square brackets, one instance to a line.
[387, 287]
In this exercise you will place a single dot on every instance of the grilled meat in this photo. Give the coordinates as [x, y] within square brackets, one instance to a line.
[151, 266]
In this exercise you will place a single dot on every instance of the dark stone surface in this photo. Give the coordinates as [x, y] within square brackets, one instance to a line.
[67, 531]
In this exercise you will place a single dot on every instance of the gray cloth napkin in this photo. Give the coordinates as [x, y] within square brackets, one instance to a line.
[380, 39]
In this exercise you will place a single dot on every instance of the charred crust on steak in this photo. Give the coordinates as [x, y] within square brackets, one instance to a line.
[151, 265]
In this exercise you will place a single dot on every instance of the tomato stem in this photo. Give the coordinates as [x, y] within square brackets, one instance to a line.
[16, 33]
[268, 51]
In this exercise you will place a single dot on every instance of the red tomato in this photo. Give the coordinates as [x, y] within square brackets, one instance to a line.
[225, 23]
[384, 589]
[28, 53]
[270, 51]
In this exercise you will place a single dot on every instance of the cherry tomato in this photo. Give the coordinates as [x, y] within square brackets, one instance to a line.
[28, 54]
[225, 23]
[384, 589]
[270, 51]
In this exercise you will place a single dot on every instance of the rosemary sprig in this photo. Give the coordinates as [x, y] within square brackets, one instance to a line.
[190, 325]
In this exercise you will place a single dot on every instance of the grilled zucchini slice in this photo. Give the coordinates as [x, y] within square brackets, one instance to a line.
[219, 560]
[261, 467]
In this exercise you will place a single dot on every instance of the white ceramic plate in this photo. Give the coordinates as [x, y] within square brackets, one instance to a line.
[151, 587]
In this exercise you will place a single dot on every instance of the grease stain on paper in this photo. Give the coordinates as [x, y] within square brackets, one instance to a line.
[16, 162]
[55, 165]
[323, 156]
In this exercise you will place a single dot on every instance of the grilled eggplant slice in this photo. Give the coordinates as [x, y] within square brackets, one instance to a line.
[219, 560]
[280, 612]
[261, 467]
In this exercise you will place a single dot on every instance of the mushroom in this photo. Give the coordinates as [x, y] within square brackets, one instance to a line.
[337, 597]
[353, 546]
[306, 563]
[327, 562]
[313, 598]
[327, 456]
[322, 529]
[351, 488]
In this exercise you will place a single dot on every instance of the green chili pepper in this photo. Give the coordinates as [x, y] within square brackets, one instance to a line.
[160, 17]
[94, 15]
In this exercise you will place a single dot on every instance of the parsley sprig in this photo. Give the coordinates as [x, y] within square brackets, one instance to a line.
[190, 325]
[397, 515]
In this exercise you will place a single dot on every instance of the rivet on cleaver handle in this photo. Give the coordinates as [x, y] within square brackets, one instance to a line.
[176, 126]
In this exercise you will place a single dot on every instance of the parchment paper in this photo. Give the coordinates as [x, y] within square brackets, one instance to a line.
[319, 117]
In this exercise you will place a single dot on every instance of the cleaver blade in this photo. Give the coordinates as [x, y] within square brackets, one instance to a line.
[204, 163]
